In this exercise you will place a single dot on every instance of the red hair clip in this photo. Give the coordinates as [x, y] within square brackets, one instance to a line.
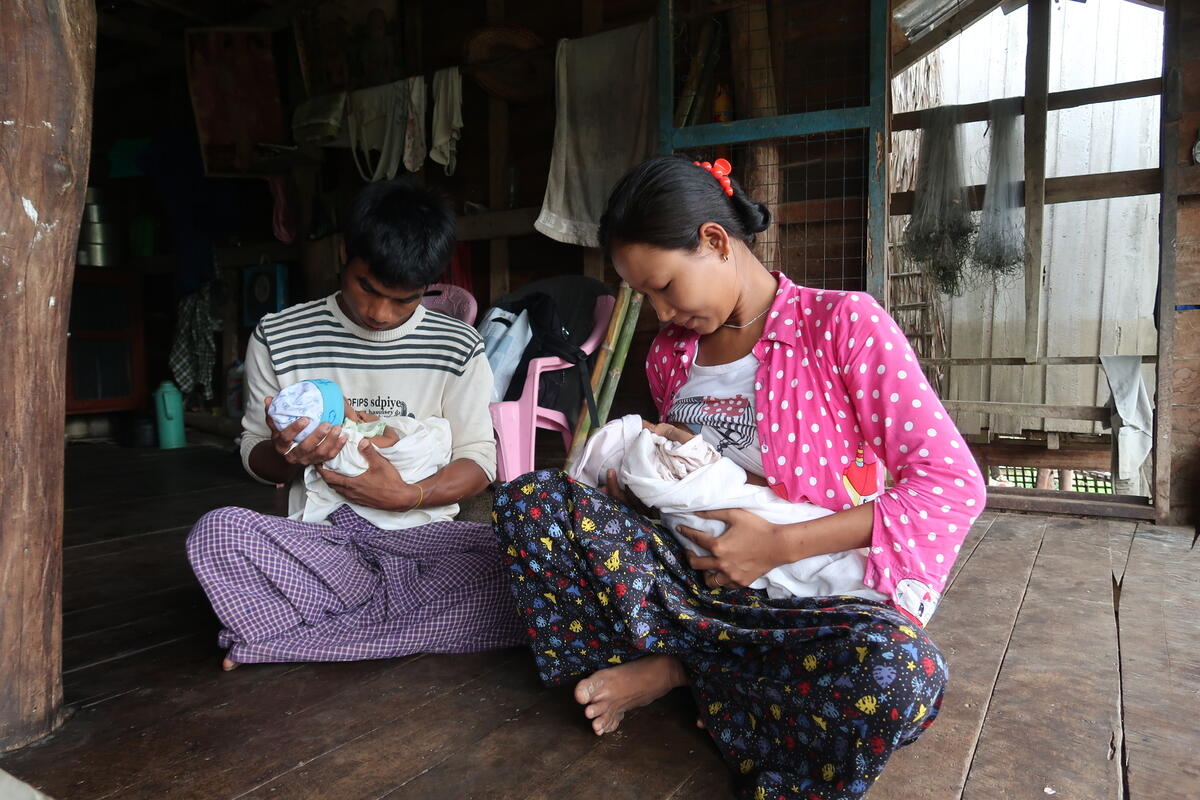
[720, 170]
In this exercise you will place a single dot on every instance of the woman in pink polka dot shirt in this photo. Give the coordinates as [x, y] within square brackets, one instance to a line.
[818, 394]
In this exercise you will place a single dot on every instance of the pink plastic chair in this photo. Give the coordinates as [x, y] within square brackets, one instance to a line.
[516, 421]
[451, 300]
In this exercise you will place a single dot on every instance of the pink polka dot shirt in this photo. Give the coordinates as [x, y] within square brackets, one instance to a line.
[838, 391]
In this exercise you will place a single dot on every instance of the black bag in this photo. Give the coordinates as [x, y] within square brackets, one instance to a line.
[552, 338]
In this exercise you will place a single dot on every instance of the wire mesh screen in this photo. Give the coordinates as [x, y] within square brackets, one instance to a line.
[766, 58]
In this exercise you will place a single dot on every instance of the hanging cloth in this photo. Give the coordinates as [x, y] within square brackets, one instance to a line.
[606, 96]
[193, 354]
[319, 120]
[377, 119]
[414, 133]
[447, 117]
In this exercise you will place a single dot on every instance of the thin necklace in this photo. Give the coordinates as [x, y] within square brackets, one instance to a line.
[748, 323]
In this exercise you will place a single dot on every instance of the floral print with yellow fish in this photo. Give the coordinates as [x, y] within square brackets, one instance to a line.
[804, 698]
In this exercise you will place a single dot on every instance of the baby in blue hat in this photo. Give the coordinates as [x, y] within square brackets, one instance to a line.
[416, 448]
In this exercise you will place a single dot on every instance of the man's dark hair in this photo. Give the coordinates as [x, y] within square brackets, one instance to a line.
[402, 231]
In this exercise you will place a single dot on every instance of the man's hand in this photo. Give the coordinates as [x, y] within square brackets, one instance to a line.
[750, 548]
[379, 487]
[322, 444]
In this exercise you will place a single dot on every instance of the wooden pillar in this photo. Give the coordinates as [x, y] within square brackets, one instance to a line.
[1177, 397]
[497, 167]
[47, 66]
[1037, 85]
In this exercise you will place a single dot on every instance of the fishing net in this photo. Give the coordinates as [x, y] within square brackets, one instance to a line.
[939, 233]
[1000, 244]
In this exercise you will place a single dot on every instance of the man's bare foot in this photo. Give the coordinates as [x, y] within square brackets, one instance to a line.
[228, 664]
[606, 695]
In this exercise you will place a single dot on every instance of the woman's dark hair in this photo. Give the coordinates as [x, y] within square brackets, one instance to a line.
[664, 201]
[404, 232]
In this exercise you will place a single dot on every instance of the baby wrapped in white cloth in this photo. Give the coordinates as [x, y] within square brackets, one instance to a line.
[416, 448]
[681, 478]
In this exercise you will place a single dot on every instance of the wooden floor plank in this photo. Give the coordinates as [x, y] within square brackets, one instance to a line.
[85, 528]
[526, 750]
[1054, 725]
[710, 780]
[91, 481]
[271, 741]
[679, 750]
[156, 625]
[970, 542]
[972, 627]
[111, 746]
[418, 738]
[124, 610]
[1160, 661]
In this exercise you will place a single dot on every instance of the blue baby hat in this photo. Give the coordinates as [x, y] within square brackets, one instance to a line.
[318, 399]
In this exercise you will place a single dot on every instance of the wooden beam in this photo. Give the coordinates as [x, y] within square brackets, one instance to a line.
[1037, 83]
[1001, 361]
[1002, 498]
[1065, 189]
[1057, 101]
[967, 15]
[1038, 410]
[46, 91]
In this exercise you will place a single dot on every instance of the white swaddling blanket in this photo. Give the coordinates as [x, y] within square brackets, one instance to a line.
[423, 449]
[646, 464]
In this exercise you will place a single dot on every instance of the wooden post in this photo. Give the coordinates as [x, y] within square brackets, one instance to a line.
[1037, 86]
[46, 75]
[754, 96]
[497, 166]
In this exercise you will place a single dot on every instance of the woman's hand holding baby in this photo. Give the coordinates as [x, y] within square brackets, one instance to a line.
[749, 548]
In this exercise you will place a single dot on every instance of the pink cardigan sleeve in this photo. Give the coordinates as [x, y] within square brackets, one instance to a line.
[921, 520]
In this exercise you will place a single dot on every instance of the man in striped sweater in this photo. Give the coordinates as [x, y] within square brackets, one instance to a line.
[292, 591]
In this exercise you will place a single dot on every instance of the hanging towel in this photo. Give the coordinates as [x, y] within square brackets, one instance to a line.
[447, 117]
[1132, 419]
[414, 133]
[377, 119]
[605, 124]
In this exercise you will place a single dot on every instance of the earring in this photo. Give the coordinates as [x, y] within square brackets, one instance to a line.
[725, 256]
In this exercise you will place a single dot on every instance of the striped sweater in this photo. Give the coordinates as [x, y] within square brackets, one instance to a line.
[431, 366]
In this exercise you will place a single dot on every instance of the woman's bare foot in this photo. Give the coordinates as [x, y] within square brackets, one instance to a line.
[606, 695]
[228, 664]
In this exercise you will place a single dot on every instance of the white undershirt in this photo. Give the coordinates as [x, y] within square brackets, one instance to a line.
[718, 402]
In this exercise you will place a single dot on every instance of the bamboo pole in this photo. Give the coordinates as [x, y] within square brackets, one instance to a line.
[599, 371]
[618, 358]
